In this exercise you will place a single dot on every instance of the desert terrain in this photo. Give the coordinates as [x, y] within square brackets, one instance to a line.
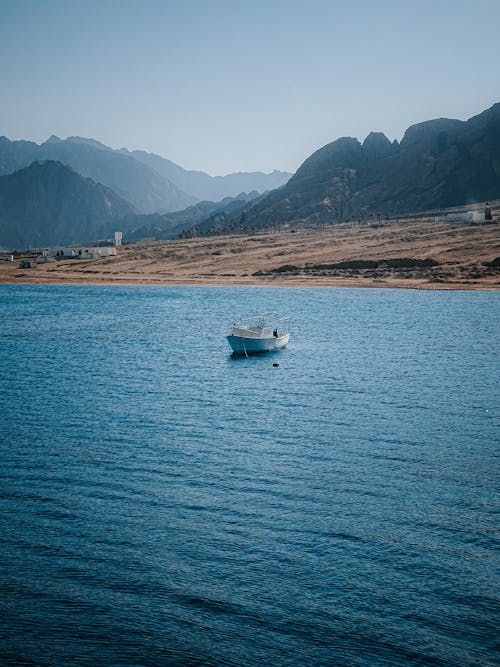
[418, 253]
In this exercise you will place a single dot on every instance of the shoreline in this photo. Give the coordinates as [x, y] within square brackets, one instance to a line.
[431, 287]
[416, 254]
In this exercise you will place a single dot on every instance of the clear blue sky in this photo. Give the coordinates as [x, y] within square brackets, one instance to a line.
[229, 85]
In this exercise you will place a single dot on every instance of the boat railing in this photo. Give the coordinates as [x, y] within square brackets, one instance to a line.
[264, 320]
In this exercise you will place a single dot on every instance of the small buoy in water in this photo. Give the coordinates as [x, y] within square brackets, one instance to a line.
[276, 364]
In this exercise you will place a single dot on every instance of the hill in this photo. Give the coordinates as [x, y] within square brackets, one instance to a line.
[197, 218]
[47, 203]
[132, 180]
[211, 188]
[152, 184]
[439, 163]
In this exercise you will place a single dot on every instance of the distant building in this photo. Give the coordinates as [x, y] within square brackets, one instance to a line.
[44, 259]
[461, 216]
[118, 239]
[81, 252]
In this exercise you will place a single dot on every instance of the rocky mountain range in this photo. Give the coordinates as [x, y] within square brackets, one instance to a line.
[211, 188]
[170, 225]
[152, 184]
[139, 184]
[438, 163]
[47, 203]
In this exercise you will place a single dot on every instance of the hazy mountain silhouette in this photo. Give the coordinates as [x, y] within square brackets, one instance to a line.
[203, 215]
[139, 184]
[47, 203]
[439, 163]
[211, 188]
[150, 182]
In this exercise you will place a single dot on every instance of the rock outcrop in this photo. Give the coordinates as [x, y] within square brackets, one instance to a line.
[438, 164]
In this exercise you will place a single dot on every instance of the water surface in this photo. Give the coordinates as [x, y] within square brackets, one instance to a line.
[163, 503]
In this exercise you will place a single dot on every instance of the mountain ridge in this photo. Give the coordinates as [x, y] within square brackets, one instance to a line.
[211, 188]
[200, 215]
[438, 163]
[151, 183]
[48, 203]
[142, 186]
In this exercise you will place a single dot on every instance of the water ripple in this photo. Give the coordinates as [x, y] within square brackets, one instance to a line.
[165, 504]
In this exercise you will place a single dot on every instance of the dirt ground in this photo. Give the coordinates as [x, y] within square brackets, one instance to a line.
[417, 253]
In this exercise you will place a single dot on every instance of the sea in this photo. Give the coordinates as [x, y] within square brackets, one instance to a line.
[163, 503]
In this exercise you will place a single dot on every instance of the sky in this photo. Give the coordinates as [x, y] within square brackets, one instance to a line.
[242, 85]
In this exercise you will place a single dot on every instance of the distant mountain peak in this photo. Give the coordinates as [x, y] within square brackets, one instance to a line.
[53, 139]
[429, 129]
[211, 188]
[151, 183]
[88, 142]
[142, 186]
[52, 167]
[376, 139]
[377, 145]
[439, 163]
[48, 203]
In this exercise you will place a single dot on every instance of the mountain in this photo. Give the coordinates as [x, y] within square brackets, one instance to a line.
[439, 163]
[47, 203]
[220, 221]
[201, 216]
[132, 180]
[149, 182]
[211, 188]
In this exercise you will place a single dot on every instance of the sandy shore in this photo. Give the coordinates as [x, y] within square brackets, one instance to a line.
[429, 256]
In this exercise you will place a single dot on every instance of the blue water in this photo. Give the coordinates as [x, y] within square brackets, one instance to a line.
[164, 504]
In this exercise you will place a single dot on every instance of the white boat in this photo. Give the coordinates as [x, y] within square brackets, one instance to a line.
[263, 333]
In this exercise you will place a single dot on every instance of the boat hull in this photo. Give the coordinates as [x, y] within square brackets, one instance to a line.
[246, 346]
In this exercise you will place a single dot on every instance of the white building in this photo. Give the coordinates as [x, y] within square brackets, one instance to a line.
[81, 252]
[461, 216]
